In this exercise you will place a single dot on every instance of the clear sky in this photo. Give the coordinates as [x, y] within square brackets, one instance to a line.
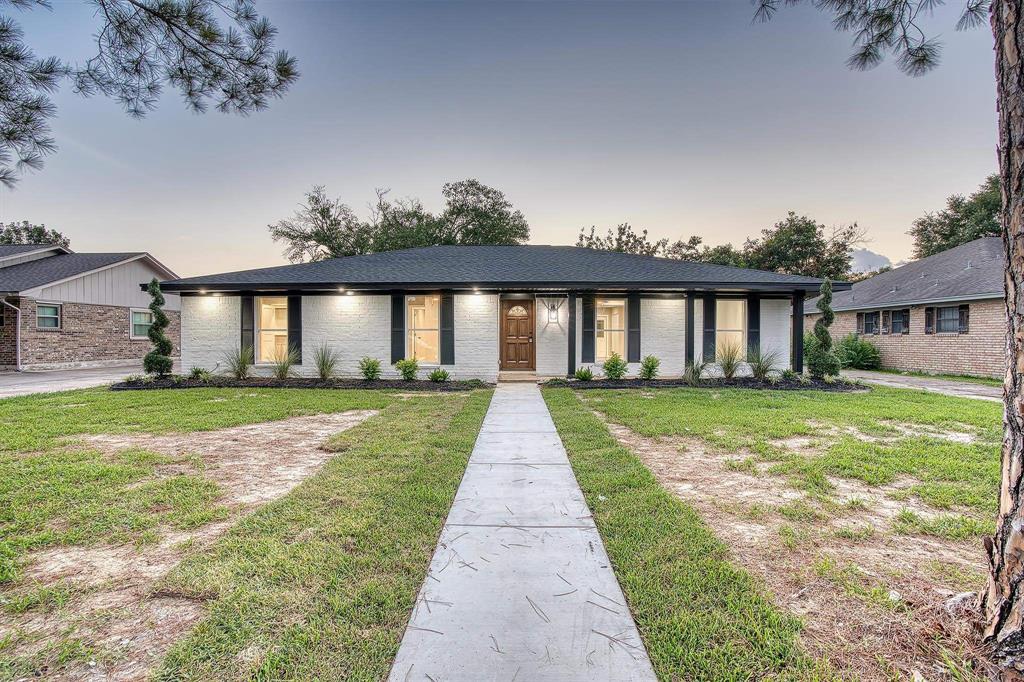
[681, 117]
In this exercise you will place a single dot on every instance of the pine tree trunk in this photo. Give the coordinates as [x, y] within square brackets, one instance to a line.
[1003, 599]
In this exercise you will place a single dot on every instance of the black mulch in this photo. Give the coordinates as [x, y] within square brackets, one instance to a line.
[295, 382]
[838, 386]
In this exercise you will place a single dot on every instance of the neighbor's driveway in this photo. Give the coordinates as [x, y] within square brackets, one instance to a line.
[960, 389]
[24, 383]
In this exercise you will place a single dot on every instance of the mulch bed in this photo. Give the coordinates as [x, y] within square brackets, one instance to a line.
[296, 382]
[838, 386]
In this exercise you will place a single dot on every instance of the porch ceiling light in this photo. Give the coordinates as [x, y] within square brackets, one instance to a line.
[349, 292]
[476, 291]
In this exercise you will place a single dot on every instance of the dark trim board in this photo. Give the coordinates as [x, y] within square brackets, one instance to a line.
[609, 288]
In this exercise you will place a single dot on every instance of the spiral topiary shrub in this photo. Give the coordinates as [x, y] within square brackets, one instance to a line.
[821, 359]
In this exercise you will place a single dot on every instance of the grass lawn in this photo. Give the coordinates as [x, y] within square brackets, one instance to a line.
[701, 617]
[315, 584]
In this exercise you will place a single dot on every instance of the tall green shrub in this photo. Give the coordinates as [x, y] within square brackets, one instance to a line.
[158, 361]
[821, 359]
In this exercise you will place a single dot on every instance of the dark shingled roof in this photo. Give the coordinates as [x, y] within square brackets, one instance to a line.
[24, 276]
[17, 249]
[498, 267]
[970, 271]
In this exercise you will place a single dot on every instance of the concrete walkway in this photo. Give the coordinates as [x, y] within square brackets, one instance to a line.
[959, 389]
[520, 586]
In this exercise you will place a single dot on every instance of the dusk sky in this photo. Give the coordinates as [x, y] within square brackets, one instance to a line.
[679, 117]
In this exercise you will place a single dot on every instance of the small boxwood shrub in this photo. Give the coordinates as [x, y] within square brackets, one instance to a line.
[438, 376]
[370, 368]
[615, 367]
[649, 367]
[584, 374]
[858, 353]
[408, 368]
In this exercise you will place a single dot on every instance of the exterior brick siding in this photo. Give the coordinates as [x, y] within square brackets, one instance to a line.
[88, 334]
[980, 352]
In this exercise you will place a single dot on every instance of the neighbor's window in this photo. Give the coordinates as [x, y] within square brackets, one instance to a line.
[901, 321]
[947, 319]
[271, 328]
[47, 316]
[609, 328]
[142, 320]
[730, 325]
[423, 329]
[871, 323]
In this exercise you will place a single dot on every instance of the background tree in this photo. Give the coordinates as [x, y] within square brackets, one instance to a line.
[158, 361]
[624, 240]
[821, 359]
[474, 214]
[141, 47]
[963, 220]
[26, 233]
[800, 245]
[893, 26]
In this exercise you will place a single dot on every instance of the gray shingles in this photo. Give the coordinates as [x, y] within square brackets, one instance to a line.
[17, 249]
[497, 265]
[36, 273]
[944, 276]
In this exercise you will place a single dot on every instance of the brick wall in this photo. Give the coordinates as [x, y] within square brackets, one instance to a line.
[88, 334]
[980, 352]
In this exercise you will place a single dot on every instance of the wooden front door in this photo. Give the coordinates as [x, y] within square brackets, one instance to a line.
[517, 334]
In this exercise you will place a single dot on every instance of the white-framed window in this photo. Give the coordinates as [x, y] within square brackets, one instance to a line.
[730, 325]
[142, 320]
[609, 328]
[423, 328]
[48, 315]
[271, 328]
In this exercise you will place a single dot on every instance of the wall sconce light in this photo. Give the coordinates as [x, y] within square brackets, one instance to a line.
[552, 314]
[349, 293]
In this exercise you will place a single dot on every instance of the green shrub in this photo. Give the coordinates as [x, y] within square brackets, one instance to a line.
[762, 363]
[326, 360]
[408, 368]
[858, 353]
[693, 372]
[282, 364]
[789, 375]
[584, 374]
[438, 376]
[649, 367]
[615, 367]
[239, 362]
[200, 374]
[730, 357]
[821, 360]
[370, 368]
[158, 361]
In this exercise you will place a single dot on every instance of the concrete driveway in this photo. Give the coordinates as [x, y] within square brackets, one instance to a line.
[25, 383]
[960, 389]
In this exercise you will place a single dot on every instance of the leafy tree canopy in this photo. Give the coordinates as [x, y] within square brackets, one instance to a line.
[218, 52]
[797, 245]
[327, 228]
[25, 233]
[963, 220]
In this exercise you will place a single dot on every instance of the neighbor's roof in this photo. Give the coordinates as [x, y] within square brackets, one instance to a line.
[967, 272]
[499, 267]
[37, 273]
[8, 250]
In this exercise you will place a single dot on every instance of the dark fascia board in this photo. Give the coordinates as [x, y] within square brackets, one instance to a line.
[536, 287]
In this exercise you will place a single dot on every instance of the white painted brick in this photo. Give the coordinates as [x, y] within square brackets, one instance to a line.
[476, 337]
[210, 327]
[776, 333]
[354, 326]
[553, 337]
[663, 334]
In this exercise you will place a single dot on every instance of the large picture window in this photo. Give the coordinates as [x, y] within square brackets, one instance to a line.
[730, 325]
[48, 316]
[271, 328]
[609, 329]
[423, 329]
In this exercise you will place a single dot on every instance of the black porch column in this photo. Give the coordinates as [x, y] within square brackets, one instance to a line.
[798, 332]
[572, 336]
[689, 327]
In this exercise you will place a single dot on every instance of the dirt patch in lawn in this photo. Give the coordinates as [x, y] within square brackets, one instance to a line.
[873, 602]
[115, 608]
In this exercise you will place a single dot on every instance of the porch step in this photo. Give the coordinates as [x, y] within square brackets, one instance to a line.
[517, 377]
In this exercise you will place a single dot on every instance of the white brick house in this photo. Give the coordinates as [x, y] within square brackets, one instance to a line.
[480, 310]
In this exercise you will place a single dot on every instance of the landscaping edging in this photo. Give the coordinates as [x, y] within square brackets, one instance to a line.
[297, 382]
[839, 386]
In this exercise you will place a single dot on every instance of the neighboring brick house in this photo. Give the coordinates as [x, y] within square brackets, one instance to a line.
[943, 314]
[61, 309]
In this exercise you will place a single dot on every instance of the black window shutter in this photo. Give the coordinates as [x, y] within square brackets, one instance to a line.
[860, 323]
[906, 321]
[965, 319]
[633, 322]
[447, 328]
[572, 335]
[709, 329]
[689, 329]
[587, 351]
[295, 326]
[885, 321]
[929, 320]
[753, 323]
[397, 327]
[248, 338]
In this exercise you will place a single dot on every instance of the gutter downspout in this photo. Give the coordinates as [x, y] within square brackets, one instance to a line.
[17, 332]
